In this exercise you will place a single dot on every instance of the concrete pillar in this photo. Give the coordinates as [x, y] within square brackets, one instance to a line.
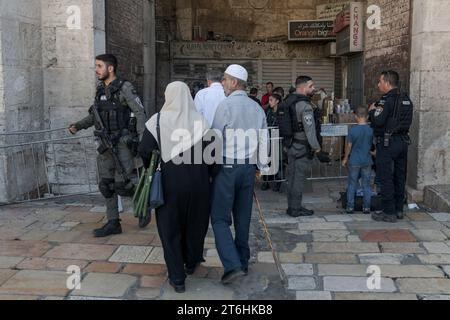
[73, 33]
[3, 180]
[429, 162]
[149, 33]
[47, 81]
[21, 92]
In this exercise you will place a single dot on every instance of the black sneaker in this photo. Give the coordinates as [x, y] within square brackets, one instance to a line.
[300, 213]
[391, 218]
[305, 212]
[366, 211]
[377, 216]
[400, 215]
[179, 288]
[111, 228]
[290, 212]
[232, 275]
[349, 211]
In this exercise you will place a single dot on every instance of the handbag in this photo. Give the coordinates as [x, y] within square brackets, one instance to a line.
[156, 198]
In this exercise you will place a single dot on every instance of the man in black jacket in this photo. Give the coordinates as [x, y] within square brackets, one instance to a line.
[391, 118]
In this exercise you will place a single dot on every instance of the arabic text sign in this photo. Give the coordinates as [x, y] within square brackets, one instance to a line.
[306, 30]
[331, 10]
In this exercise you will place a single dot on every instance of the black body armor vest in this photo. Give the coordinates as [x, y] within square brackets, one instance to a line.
[115, 116]
[401, 120]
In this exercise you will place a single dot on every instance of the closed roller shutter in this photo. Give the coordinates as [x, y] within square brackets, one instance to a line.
[194, 70]
[279, 72]
[321, 70]
[284, 72]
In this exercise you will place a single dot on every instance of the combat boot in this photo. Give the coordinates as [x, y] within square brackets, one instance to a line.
[111, 228]
[302, 212]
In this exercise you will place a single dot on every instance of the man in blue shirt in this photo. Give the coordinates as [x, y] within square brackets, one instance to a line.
[359, 160]
[232, 198]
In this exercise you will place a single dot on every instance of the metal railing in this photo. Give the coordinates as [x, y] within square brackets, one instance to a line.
[47, 164]
[52, 163]
[333, 144]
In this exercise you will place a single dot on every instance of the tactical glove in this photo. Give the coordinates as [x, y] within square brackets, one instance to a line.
[324, 157]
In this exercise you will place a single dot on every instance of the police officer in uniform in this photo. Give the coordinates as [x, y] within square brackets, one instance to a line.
[123, 117]
[303, 146]
[391, 119]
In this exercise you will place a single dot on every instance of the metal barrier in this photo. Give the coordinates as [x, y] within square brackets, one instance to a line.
[52, 164]
[333, 143]
[47, 164]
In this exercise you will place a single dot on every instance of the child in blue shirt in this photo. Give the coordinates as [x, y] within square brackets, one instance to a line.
[358, 158]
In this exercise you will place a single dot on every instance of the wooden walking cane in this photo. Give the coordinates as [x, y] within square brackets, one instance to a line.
[269, 239]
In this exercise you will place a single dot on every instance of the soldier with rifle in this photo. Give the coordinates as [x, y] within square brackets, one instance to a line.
[119, 119]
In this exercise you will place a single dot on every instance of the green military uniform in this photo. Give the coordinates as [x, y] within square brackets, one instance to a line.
[115, 104]
[299, 155]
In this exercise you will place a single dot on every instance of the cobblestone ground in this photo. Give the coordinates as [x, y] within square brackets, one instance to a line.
[323, 257]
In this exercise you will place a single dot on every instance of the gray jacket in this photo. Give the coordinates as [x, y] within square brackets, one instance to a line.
[305, 113]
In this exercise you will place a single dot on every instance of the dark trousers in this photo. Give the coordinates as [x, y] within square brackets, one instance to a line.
[182, 226]
[232, 201]
[391, 173]
[299, 169]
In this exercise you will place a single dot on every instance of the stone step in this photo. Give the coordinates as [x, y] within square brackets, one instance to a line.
[438, 197]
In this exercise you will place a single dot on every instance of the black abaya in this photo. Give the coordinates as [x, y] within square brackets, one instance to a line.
[184, 219]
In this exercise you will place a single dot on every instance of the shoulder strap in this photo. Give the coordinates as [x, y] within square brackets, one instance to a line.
[158, 132]
[117, 86]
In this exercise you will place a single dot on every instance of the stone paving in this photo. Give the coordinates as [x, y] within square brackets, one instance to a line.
[412, 256]
[325, 257]
[40, 241]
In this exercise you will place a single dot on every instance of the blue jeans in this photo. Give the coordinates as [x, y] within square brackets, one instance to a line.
[232, 202]
[354, 173]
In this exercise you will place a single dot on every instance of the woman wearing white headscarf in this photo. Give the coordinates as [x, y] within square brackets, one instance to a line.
[183, 220]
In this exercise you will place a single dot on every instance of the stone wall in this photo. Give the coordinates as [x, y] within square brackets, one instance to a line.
[430, 83]
[124, 38]
[389, 47]
[166, 31]
[47, 81]
[70, 82]
[242, 20]
[21, 90]
[3, 158]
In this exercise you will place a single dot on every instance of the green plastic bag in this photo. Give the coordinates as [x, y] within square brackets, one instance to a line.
[141, 197]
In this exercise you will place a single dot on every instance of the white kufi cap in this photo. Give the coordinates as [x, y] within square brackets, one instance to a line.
[237, 71]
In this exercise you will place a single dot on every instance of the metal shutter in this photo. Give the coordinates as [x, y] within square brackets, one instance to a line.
[277, 71]
[194, 70]
[321, 70]
[281, 72]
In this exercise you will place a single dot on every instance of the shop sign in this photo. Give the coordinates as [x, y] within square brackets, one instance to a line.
[307, 30]
[330, 11]
[349, 26]
[356, 26]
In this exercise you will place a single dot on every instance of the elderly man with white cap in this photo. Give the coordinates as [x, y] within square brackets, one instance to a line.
[243, 126]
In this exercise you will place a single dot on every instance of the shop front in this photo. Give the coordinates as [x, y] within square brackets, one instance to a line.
[277, 62]
[349, 29]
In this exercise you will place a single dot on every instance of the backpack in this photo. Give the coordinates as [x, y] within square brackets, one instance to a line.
[287, 116]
